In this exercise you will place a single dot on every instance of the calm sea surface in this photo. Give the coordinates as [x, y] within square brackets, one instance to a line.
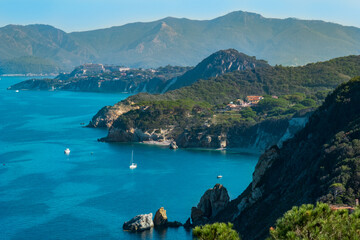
[45, 194]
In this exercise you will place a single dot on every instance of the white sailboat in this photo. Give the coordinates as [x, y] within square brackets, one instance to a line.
[67, 151]
[132, 165]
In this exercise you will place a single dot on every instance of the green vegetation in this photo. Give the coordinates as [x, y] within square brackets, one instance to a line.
[269, 108]
[320, 222]
[299, 90]
[216, 231]
[313, 79]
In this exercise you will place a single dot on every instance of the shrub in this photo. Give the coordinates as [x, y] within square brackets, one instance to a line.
[216, 231]
[320, 222]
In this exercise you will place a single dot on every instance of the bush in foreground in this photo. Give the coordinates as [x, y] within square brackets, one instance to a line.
[216, 231]
[320, 222]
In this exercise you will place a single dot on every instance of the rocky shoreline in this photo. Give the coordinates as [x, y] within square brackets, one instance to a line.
[211, 203]
[257, 137]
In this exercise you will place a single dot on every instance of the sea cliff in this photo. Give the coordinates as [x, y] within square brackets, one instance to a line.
[320, 163]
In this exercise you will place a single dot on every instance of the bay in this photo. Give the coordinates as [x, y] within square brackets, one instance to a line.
[45, 194]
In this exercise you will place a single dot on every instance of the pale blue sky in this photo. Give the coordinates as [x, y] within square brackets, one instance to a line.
[79, 15]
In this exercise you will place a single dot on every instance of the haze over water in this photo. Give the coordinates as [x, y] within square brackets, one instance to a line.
[45, 194]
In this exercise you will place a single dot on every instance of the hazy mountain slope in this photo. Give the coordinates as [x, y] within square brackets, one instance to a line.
[184, 42]
[29, 64]
[282, 41]
[41, 41]
[321, 163]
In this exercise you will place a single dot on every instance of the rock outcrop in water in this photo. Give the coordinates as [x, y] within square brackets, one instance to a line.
[173, 145]
[211, 203]
[139, 223]
[160, 219]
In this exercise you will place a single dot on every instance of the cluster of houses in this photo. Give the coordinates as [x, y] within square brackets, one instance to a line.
[249, 101]
[115, 73]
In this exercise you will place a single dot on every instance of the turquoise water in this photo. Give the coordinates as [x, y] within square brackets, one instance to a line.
[45, 194]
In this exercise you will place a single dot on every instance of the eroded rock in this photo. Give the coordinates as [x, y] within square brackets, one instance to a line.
[160, 219]
[211, 203]
[173, 145]
[139, 223]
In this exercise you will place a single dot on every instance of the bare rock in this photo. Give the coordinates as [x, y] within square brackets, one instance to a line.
[139, 223]
[107, 115]
[173, 145]
[160, 219]
[214, 200]
[211, 203]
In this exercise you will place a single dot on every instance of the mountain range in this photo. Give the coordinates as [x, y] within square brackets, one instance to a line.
[175, 41]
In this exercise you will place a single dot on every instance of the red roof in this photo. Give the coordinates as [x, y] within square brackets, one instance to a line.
[254, 98]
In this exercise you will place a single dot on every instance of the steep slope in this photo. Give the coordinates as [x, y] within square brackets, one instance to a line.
[183, 42]
[217, 64]
[321, 163]
[41, 41]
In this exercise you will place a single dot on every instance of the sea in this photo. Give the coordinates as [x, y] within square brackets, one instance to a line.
[90, 193]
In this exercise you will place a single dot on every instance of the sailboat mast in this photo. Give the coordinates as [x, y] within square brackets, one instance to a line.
[132, 157]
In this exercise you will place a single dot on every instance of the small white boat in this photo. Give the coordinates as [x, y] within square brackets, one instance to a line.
[132, 164]
[17, 91]
[67, 151]
[219, 176]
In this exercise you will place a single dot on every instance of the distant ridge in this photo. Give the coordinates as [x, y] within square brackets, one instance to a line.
[179, 41]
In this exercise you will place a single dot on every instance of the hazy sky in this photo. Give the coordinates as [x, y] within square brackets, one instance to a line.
[79, 15]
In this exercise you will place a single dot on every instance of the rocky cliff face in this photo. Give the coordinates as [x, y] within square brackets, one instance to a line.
[320, 163]
[257, 137]
[136, 135]
[108, 114]
[211, 203]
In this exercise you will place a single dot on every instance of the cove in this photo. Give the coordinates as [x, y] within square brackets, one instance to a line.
[89, 194]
